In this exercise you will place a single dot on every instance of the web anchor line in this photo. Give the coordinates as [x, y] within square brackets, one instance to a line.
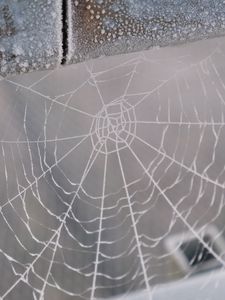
[140, 254]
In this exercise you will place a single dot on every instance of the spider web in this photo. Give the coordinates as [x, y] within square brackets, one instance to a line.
[101, 162]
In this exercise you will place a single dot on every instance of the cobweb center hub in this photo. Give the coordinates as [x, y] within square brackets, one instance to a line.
[114, 127]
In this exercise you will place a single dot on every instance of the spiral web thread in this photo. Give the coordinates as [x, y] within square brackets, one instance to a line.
[101, 162]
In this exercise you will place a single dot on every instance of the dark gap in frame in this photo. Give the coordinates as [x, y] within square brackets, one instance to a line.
[64, 31]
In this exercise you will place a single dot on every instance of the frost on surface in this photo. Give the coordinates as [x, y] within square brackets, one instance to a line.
[101, 162]
[108, 27]
[40, 35]
[30, 35]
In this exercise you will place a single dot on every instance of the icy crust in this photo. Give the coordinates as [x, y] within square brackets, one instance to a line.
[30, 35]
[110, 27]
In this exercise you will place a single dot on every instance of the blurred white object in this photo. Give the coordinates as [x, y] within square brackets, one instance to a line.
[208, 286]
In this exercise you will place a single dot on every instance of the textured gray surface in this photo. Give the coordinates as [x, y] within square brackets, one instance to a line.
[30, 35]
[111, 27]
[31, 31]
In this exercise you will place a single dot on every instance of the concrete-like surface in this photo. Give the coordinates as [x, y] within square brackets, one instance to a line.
[98, 28]
[30, 35]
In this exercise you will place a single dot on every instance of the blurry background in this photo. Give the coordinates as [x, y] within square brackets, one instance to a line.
[102, 163]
